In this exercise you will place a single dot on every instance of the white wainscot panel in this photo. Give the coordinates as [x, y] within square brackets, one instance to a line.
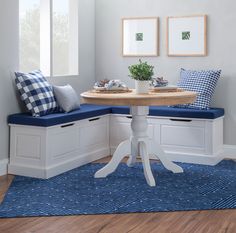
[182, 136]
[93, 135]
[28, 146]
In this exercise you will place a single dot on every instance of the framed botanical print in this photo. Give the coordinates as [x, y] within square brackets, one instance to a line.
[140, 36]
[187, 36]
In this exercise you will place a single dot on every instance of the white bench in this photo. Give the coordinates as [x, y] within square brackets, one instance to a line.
[47, 146]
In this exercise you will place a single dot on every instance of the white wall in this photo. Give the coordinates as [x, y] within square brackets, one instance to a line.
[86, 49]
[9, 60]
[8, 63]
[221, 45]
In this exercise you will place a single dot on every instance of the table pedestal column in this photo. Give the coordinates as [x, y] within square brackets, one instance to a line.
[138, 144]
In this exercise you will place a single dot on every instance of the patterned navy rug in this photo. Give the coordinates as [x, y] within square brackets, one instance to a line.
[125, 191]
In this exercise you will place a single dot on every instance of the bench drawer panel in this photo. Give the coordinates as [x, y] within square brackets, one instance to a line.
[95, 135]
[94, 132]
[64, 141]
[187, 136]
[182, 135]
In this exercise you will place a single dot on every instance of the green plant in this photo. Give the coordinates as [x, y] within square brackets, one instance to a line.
[141, 71]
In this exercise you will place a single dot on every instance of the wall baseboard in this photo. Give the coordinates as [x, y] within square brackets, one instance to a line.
[229, 152]
[3, 167]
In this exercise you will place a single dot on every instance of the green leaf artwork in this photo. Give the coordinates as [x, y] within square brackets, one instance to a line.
[139, 36]
[185, 35]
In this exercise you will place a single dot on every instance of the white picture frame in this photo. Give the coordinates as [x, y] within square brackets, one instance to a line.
[187, 35]
[140, 37]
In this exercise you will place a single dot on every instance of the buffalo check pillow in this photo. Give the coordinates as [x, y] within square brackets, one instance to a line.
[203, 82]
[36, 93]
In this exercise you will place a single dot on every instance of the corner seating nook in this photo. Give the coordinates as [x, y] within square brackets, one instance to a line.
[49, 145]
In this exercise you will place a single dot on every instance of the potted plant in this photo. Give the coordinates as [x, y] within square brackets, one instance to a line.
[142, 73]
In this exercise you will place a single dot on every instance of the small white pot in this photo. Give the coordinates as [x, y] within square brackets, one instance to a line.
[141, 87]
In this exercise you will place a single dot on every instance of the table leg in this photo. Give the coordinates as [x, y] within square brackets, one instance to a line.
[122, 150]
[146, 164]
[168, 164]
[134, 152]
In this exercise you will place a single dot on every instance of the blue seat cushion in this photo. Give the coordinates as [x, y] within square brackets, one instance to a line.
[85, 111]
[90, 110]
[211, 113]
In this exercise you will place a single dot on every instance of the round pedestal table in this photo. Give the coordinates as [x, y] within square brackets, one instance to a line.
[139, 141]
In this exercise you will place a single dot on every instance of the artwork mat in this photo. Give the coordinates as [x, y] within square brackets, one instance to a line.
[156, 32]
[204, 51]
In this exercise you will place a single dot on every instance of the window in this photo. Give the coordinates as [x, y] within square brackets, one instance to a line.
[49, 36]
[29, 35]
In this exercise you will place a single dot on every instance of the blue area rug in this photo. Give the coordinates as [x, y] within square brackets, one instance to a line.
[125, 191]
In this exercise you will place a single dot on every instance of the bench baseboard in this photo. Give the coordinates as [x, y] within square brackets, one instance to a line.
[188, 157]
[44, 152]
[48, 172]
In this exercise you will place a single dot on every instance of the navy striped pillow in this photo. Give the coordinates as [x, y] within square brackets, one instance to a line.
[203, 82]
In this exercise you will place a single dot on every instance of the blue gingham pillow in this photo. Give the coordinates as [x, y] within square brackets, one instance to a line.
[203, 82]
[36, 93]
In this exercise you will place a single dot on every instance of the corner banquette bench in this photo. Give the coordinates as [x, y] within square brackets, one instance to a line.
[47, 146]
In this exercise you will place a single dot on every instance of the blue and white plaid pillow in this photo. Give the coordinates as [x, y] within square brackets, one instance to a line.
[36, 93]
[203, 82]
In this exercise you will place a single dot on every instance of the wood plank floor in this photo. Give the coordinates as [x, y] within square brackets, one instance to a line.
[220, 221]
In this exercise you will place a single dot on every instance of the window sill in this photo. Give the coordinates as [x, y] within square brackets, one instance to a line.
[63, 76]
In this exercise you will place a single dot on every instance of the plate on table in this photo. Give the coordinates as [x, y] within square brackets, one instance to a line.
[168, 88]
[99, 88]
[111, 91]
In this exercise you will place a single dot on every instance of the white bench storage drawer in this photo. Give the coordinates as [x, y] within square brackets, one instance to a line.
[44, 152]
[184, 140]
[181, 135]
[63, 140]
[94, 132]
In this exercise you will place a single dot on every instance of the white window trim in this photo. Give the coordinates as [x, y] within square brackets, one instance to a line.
[74, 36]
[46, 60]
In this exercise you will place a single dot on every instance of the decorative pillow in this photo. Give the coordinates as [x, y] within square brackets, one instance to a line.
[36, 93]
[66, 97]
[203, 82]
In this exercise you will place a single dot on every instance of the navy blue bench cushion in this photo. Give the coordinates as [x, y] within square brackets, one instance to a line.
[85, 111]
[90, 110]
[211, 113]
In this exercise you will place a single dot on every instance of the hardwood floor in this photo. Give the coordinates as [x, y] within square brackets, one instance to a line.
[220, 221]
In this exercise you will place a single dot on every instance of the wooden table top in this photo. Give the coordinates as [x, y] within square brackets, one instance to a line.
[133, 99]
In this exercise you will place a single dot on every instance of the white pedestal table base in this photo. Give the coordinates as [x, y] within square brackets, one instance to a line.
[138, 144]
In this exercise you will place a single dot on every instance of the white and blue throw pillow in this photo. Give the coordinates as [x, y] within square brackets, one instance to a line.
[36, 93]
[203, 82]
